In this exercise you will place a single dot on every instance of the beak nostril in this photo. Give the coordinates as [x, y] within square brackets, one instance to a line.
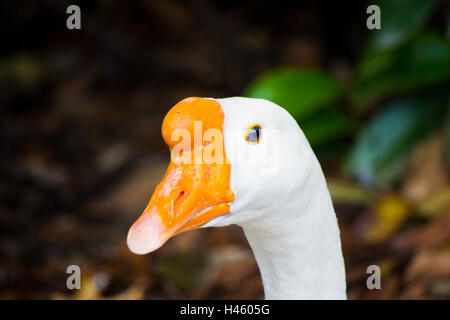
[178, 200]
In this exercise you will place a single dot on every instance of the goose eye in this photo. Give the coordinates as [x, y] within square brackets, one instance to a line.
[253, 134]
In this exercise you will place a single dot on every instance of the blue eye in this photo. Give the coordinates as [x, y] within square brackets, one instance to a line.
[253, 134]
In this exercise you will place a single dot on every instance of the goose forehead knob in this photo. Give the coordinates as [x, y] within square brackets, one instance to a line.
[207, 112]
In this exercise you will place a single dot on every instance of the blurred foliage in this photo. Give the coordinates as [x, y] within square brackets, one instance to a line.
[326, 125]
[385, 142]
[398, 59]
[300, 92]
[420, 62]
[81, 148]
[400, 19]
[389, 214]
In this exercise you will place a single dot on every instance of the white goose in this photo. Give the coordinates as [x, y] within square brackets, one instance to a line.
[281, 200]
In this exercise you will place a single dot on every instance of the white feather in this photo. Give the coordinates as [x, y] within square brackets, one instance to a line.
[282, 203]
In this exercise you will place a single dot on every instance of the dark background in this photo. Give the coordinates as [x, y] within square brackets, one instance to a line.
[81, 151]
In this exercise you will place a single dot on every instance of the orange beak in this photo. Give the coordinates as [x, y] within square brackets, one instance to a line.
[194, 190]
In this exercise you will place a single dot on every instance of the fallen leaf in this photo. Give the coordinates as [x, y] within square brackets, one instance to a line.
[429, 264]
[426, 171]
[388, 215]
[434, 204]
[433, 234]
[347, 192]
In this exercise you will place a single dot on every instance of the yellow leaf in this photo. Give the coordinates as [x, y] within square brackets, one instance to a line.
[390, 213]
[89, 289]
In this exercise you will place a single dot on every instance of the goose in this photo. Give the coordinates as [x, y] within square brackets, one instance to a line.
[264, 177]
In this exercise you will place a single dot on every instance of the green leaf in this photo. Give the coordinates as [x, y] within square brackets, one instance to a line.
[383, 146]
[422, 61]
[399, 19]
[299, 91]
[325, 126]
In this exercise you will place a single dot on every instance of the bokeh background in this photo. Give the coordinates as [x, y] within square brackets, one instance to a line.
[81, 151]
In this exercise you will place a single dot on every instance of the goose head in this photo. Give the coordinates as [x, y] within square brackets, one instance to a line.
[246, 161]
